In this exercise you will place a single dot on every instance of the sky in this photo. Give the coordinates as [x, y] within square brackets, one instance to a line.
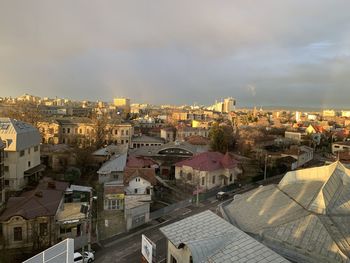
[271, 52]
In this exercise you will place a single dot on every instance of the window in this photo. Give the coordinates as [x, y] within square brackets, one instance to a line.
[80, 130]
[36, 148]
[127, 132]
[43, 229]
[122, 141]
[213, 179]
[231, 178]
[6, 168]
[191, 259]
[135, 190]
[63, 130]
[137, 179]
[28, 163]
[7, 182]
[189, 176]
[76, 130]
[203, 179]
[116, 132]
[122, 132]
[21, 153]
[17, 233]
[78, 259]
[29, 151]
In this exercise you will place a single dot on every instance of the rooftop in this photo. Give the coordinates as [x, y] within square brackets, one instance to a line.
[43, 201]
[117, 163]
[209, 161]
[212, 239]
[306, 216]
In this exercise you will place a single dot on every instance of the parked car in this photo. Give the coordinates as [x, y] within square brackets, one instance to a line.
[88, 257]
[222, 195]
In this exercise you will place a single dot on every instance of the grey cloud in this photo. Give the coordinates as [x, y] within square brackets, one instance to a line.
[176, 51]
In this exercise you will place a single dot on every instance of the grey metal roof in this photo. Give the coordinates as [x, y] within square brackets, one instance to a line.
[212, 239]
[306, 216]
[117, 163]
[18, 135]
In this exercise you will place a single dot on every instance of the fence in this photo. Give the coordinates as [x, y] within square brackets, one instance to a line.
[170, 208]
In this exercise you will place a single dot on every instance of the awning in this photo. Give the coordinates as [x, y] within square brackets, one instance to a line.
[36, 169]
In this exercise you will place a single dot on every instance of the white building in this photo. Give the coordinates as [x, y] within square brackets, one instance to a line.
[22, 153]
[345, 114]
[139, 180]
[340, 147]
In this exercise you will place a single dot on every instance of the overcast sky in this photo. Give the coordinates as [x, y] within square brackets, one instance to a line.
[270, 52]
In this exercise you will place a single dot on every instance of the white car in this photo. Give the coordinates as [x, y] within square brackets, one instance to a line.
[88, 257]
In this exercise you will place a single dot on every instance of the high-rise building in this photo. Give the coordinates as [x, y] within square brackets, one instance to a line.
[122, 103]
[229, 105]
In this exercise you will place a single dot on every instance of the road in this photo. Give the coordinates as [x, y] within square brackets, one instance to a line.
[128, 248]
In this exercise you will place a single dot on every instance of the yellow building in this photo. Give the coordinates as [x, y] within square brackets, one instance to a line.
[122, 103]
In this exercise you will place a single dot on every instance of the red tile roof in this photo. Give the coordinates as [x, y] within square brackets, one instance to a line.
[139, 162]
[146, 173]
[209, 161]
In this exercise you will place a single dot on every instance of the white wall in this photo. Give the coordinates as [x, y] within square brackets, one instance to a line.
[18, 165]
[140, 184]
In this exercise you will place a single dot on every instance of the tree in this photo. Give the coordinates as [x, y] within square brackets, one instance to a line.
[221, 138]
[72, 175]
[24, 111]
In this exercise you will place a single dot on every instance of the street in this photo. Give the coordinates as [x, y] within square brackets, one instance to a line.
[128, 248]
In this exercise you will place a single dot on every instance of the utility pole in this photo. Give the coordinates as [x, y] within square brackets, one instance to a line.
[265, 167]
[90, 219]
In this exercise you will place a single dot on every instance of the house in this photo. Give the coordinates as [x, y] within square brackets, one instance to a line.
[58, 157]
[294, 136]
[312, 129]
[208, 170]
[301, 155]
[72, 223]
[168, 154]
[340, 147]
[104, 154]
[206, 237]
[137, 210]
[139, 180]
[113, 168]
[141, 162]
[168, 134]
[113, 195]
[305, 218]
[28, 222]
[22, 153]
[184, 132]
[143, 140]
[82, 131]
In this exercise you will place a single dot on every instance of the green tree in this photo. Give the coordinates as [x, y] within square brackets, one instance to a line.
[72, 175]
[221, 138]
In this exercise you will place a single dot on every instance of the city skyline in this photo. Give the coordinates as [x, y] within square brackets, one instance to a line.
[269, 53]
